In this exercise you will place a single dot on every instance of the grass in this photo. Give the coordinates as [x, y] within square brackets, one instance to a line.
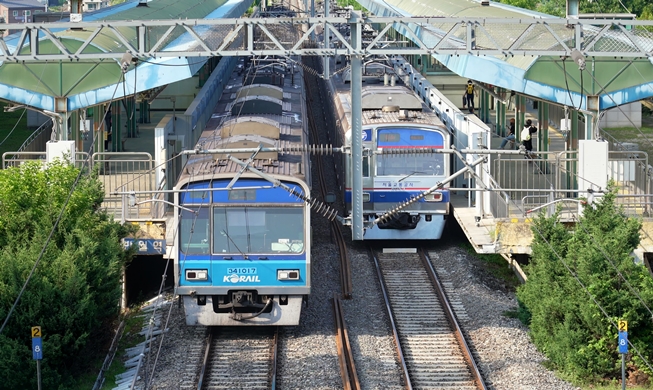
[13, 129]
[615, 386]
[497, 266]
[130, 338]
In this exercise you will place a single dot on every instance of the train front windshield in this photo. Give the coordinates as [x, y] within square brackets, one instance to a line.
[417, 164]
[238, 230]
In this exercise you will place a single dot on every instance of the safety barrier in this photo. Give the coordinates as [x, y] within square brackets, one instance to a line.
[128, 180]
[523, 185]
[15, 159]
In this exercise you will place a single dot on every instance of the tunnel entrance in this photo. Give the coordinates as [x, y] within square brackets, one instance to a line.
[143, 277]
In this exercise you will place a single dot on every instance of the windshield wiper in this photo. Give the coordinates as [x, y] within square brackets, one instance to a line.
[409, 175]
[232, 241]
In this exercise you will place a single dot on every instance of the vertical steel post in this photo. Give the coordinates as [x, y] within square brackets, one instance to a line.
[520, 115]
[589, 126]
[485, 105]
[501, 111]
[38, 373]
[543, 123]
[357, 130]
[623, 371]
[62, 125]
[312, 16]
[572, 8]
[573, 145]
[116, 125]
[75, 130]
[326, 40]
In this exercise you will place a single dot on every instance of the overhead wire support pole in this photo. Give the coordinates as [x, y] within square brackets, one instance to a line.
[326, 31]
[357, 127]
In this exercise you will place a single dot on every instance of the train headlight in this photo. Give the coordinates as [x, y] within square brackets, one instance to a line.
[434, 197]
[287, 274]
[197, 274]
[366, 197]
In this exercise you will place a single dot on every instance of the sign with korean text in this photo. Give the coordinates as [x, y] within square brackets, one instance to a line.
[145, 246]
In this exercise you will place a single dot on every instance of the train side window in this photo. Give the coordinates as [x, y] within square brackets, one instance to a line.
[366, 166]
[194, 231]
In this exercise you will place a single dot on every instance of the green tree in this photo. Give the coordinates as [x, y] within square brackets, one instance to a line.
[76, 286]
[641, 8]
[566, 323]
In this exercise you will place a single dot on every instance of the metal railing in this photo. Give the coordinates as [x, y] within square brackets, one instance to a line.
[15, 159]
[118, 172]
[523, 185]
[127, 172]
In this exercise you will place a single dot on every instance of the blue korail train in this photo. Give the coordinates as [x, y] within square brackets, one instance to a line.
[395, 121]
[243, 244]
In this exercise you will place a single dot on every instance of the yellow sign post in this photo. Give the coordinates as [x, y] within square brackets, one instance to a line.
[623, 349]
[37, 352]
[623, 326]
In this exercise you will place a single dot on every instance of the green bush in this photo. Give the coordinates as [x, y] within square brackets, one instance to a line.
[76, 286]
[571, 272]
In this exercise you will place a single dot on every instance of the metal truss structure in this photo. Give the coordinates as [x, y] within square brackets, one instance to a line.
[271, 36]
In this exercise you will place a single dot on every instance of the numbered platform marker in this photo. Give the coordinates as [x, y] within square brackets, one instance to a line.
[623, 326]
[623, 342]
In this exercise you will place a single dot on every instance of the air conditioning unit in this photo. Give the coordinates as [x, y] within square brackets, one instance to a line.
[485, 2]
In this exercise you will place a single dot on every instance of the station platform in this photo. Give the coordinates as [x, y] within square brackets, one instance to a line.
[522, 183]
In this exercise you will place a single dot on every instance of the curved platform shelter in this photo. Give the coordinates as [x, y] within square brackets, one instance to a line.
[75, 85]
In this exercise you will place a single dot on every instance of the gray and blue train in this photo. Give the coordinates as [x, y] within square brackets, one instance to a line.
[395, 120]
[243, 243]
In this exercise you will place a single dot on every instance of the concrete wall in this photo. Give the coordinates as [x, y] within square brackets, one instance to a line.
[623, 116]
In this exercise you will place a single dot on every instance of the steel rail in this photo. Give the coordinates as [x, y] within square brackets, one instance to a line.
[336, 229]
[222, 365]
[393, 325]
[275, 355]
[207, 353]
[345, 354]
[451, 317]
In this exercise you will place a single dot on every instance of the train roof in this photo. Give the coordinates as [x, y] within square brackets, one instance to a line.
[383, 104]
[379, 96]
[400, 117]
[247, 116]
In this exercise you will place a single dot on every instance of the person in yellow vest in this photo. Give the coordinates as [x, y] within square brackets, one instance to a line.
[468, 96]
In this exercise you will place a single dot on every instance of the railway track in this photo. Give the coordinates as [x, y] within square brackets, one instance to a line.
[316, 130]
[432, 350]
[345, 355]
[238, 358]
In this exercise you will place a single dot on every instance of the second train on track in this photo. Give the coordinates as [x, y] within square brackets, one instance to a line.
[395, 120]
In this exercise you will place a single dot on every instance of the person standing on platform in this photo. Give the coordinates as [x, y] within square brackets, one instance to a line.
[511, 134]
[526, 136]
[468, 96]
